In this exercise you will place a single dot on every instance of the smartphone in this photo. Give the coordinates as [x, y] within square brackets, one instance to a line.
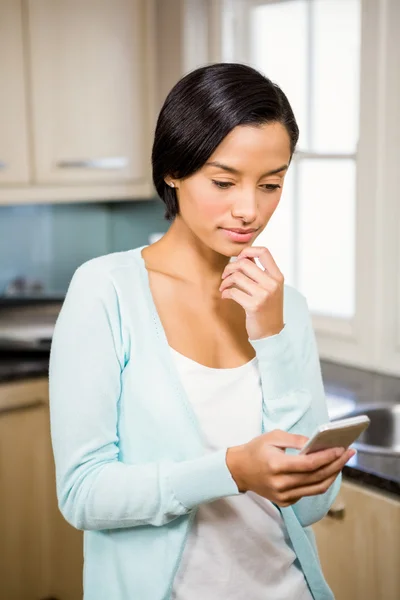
[336, 434]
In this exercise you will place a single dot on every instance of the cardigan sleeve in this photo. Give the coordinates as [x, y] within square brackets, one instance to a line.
[95, 489]
[293, 393]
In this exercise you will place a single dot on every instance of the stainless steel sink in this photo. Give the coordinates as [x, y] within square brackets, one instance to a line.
[383, 434]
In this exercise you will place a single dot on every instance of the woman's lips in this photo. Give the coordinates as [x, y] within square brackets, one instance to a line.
[236, 236]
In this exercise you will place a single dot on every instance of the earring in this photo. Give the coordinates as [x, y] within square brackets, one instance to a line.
[172, 184]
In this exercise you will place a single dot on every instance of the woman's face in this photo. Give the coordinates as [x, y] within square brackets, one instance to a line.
[238, 188]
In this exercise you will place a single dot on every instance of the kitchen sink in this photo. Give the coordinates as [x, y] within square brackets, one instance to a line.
[383, 434]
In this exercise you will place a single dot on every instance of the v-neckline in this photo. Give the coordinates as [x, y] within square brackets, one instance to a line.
[164, 347]
[146, 280]
[166, 352]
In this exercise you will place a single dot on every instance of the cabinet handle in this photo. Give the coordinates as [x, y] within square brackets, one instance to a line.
[337, 511]
[23, 406]
[111, 162]
[2, 165]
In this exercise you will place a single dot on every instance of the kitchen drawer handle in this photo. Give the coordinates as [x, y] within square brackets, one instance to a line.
[24, 406]
[337, 511]
[2, 165]
[112, 162]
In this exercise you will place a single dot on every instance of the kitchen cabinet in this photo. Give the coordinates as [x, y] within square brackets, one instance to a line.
[41, 554]
[84, 74]
[89, 110]
[14, 156]
[359, 544]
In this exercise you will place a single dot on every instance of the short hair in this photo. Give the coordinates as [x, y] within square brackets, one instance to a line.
[201, 110]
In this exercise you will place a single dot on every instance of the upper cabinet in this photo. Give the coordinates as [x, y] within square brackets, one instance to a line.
[88, 105]
[14, 160]
[87, 86]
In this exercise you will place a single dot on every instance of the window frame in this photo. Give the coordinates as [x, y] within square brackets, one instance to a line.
[371, 339]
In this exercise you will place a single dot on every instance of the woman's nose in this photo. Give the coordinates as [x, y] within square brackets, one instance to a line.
[245, 208]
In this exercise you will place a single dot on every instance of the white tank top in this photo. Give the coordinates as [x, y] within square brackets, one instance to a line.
[238, 547]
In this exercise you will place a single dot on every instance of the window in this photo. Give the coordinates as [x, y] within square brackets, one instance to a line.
[311, 49]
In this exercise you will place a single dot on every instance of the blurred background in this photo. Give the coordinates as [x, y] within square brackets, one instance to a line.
[81, 84]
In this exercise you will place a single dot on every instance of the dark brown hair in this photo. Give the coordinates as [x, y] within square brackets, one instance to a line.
[200, 111]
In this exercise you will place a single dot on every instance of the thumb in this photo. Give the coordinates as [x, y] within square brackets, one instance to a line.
[283, 439]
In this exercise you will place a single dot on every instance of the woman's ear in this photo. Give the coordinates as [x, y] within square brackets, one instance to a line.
[171, 183]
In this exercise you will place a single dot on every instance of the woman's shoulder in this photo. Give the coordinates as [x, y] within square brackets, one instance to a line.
[109, 266]
[105, 276]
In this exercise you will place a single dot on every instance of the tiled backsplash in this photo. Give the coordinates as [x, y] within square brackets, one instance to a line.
[48, 242]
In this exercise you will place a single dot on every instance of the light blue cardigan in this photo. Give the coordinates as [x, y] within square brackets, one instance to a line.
[131, 469]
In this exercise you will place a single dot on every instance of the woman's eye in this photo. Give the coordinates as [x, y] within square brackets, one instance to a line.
[223, 185]
[271, 187]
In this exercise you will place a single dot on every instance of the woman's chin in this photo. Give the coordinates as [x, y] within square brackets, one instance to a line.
[232, 250]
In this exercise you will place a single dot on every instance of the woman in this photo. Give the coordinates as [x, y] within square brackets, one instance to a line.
[182, 383]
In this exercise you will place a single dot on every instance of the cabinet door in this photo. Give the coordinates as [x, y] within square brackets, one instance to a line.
[89, 90]
[23, 493]
[41, 556]
[66, 550]
[359, 546]
[14, 165]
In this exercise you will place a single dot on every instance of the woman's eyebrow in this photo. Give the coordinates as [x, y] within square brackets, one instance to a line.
[237, 172]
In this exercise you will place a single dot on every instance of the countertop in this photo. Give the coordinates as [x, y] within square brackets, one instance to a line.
[15, 366]
[345, 387]
[348, 387]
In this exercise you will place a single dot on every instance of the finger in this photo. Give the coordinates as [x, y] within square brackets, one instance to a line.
[329, 470]
[322, 474]
[283, 439]
[241, 265]
[308, 490]
[266, 259]
[251, 270]
[238, 296]
[241, 282]
[307, 463]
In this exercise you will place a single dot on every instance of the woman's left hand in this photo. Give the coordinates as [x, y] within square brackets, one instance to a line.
[259, 292]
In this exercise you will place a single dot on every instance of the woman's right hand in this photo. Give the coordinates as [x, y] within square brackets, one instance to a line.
[262, 466]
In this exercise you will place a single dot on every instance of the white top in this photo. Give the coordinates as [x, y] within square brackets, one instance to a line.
[238, 547]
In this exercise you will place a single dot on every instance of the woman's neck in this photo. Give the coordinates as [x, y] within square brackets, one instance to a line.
[181, 254]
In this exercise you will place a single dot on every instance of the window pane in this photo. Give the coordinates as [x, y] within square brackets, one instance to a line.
[278, 48]
[228, 49]
[335, 75]
[326, 253]
[278, 236]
